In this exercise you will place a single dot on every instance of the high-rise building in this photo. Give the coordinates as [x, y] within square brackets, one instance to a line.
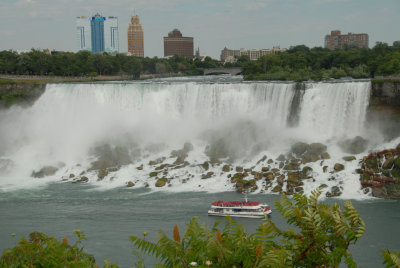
[97, 33]
[336, 40]
[135, 37]
[176, 44]
[84, 35]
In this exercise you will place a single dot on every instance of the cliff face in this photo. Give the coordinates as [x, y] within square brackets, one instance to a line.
[385, 93]
[384, 107]
[20, 93]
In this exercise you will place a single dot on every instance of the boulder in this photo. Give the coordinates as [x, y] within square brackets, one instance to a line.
[388, 164]
[338, 167]
[277, 189]
[299, 189]
[269, 176]
[317, 148]
[162, 166]
[299, 148]
[270, 161]
[292, 166]
[307, 171]
[280, 180]
[226, 168]
[280, 158]
[207, 176]
[244, 185]
[161, 182]
[257, 175]
[130, 184]
[265, 169]
[72, 175]
[44, 172]
[293, 179]
[262, 159]
[335, 191]
[356, 145]
[153, 174]
[239, 169]
[236, 177]
[349, 158]
[102, 174]
[325, 155]
[83, 179]
[205, 165]
[140, 167]
[108, 156]
[322, 186]
[325, 169]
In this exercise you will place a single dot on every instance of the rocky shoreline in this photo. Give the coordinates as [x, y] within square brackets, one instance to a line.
[379, 171]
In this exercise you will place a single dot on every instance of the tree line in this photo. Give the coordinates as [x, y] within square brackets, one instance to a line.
[301, 63]
[84, 63]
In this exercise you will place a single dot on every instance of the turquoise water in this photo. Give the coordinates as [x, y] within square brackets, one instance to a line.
[109, 217]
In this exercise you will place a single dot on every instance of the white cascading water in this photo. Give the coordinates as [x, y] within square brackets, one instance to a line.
[69, 120]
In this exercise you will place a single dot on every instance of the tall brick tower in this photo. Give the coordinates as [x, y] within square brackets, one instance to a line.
[135, 37]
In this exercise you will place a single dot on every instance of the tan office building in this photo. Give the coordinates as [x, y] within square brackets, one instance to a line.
[176, 44]
[135, 37]
[336, 40]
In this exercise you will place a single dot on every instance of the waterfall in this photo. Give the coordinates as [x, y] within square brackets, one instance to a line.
[68, 123]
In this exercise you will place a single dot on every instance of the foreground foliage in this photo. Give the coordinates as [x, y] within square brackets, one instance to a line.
[323, 239]
[46, 251]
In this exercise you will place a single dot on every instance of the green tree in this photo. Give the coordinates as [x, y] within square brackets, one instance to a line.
[46, 251]
[133, 67]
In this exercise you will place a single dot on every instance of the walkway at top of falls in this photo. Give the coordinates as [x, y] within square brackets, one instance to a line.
[232, 71]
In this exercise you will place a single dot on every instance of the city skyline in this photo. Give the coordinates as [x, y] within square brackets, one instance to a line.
[238, 24]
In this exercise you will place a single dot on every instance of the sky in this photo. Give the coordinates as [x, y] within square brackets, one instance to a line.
[214, 24]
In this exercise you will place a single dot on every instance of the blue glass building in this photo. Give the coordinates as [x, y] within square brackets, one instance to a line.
[98, 34]
[97, 28]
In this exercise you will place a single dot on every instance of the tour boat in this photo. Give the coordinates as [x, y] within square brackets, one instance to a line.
[243, 209]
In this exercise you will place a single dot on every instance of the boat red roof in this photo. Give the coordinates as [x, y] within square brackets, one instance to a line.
[222, 203]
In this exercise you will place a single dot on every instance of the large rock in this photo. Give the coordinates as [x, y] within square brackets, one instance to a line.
[207, 176]
[356, 145]
[317, 148]
[205, 165]
[338, 167]
[388, 191]
[82, 179]
[257, 175]
[244, 185]
[388, 164]
[108, 156]
[349, 158]
[44, 172]
[102, 174]
[299, 148]
[226, 168]
[161, 182]
[335, 191]
[130, 184]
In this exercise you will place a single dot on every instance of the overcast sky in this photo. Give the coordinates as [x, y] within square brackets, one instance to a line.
[214, 24]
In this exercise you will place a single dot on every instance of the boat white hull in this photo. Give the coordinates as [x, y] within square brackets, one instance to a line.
[238, 215]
